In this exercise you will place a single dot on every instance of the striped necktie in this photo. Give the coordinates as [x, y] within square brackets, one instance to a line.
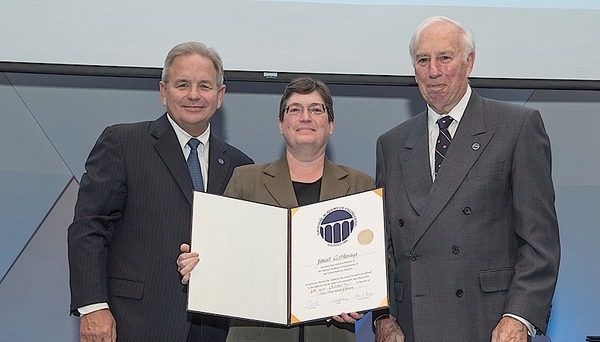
[443, 141]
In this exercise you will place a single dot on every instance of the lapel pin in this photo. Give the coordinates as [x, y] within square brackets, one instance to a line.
[221, 161]
[475, 146]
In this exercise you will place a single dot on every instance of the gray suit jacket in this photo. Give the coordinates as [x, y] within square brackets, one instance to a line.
[271, 184]
[132, 213]
[480, 241]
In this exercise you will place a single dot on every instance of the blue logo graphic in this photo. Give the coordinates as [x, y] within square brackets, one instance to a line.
[337, 226]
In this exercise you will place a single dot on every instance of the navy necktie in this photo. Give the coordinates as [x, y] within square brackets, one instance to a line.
[443, 141]
[193, 164]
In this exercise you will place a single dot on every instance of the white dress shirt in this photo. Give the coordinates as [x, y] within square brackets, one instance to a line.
[432, 117]
[203, 149]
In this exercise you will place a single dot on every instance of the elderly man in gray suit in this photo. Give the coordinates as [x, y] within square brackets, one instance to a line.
[472, 227]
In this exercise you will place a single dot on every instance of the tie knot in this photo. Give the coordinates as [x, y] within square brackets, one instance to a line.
[193, 143]
[445, 121]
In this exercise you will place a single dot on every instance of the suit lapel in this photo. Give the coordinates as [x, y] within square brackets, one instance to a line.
[169, 150]
[469, 142]
[414, 159]
[218, 165]
[333, 183]
[280, 186]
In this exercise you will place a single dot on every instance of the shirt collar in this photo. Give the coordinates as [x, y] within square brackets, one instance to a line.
[456, 113]
[184, 136]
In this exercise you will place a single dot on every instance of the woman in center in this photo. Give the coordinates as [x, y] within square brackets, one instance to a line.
[303, 175]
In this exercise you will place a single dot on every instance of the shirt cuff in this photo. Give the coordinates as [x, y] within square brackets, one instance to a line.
[530, 328]
[84, 310]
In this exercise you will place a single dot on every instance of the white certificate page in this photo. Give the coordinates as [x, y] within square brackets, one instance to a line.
[243, 268]
[338, 257]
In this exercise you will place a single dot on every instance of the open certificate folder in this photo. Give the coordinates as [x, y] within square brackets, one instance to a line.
[288, 266]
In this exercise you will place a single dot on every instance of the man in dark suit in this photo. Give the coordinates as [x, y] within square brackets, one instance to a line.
[473, 231]
[135, 205]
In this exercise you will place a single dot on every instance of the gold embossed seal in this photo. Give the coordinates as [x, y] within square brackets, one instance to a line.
[365, 236]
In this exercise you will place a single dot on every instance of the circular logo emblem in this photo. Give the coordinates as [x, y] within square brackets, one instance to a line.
[337, 225]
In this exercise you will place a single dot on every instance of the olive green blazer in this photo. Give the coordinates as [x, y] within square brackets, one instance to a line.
[270, 183]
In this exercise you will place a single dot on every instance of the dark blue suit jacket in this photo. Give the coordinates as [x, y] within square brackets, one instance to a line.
[133, 211]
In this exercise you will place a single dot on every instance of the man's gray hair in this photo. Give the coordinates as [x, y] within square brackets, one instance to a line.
[193, 48]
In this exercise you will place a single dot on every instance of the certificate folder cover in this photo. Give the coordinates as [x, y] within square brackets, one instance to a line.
[287, 266]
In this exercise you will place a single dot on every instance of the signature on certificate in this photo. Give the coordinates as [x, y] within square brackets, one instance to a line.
[311, 304]
[338, 300]
[363, 295]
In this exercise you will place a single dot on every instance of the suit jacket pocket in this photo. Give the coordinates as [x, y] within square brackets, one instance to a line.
[486, 170]
[398, 291]
[496, 279]
[125, 288]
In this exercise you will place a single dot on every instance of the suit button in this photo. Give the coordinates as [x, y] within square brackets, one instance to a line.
[459, 293]
[467, 210]
[455, 249]
[401, 222]
[414, 256]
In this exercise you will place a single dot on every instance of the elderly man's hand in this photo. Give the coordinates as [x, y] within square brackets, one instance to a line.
[388, 330]
[509, 330]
